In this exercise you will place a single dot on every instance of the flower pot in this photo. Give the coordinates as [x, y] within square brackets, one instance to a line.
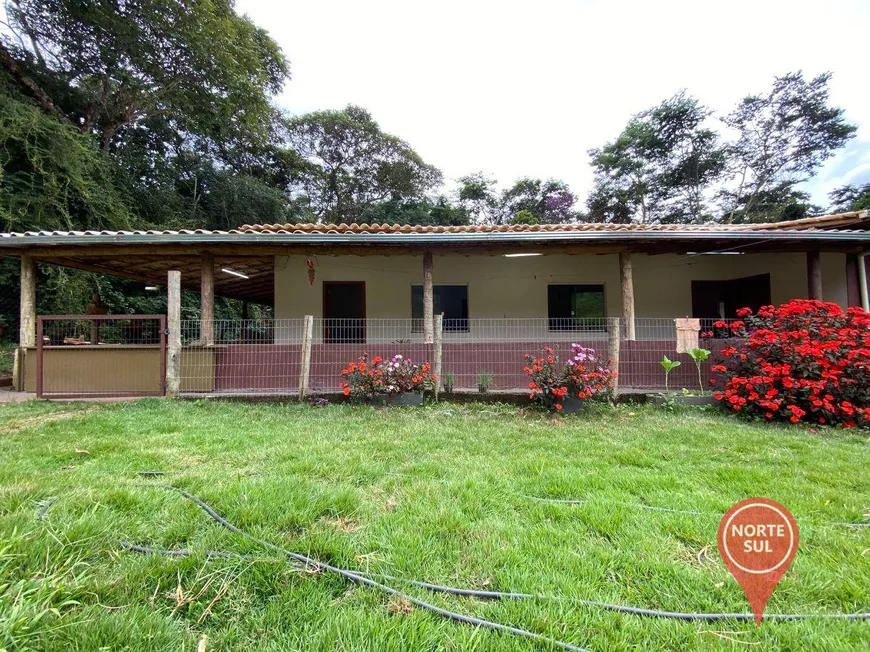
[481, 389]
[571, 404]
[448, 389]
[684, 399]
[406, 399]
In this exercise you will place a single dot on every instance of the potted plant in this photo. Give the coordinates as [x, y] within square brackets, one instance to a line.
[448, 381]
[484, 379]
[405, 381]
[564, 388]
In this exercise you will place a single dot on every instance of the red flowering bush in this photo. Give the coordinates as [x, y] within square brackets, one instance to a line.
[805, 361]
[584, 375]
[365, 378]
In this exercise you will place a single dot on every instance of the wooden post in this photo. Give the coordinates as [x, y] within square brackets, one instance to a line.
[626, 281]
[436, 353]
[173, 343]
[305, 366]
[814, 275]
[428, 299]
[27, 319]
[206, 294]
[613, 336]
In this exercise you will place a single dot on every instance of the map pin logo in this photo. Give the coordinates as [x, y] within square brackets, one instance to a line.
[758, 539]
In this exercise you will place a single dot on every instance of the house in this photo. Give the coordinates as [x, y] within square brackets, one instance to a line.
[491, 292]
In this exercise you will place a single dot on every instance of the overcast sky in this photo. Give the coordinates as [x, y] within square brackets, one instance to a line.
[526, 88]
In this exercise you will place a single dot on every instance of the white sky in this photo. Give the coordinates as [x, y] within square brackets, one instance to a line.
[526, 88]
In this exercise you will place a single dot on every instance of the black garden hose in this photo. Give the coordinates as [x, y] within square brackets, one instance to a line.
[360, 579]
[501, 595]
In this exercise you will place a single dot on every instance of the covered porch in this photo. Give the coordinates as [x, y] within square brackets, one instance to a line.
[473, 299]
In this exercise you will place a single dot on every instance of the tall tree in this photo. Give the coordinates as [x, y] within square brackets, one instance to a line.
[351, 164]
[478, 196]
[660, 168]
[784, 137]
[850, 197]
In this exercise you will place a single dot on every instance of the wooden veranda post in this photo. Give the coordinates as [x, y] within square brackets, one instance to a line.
[428, 299]
[27, 320]
[626, 281]
[206, 293]
[613, 336]
[305, 366]
[814, 275]
[436, 354]
[173, 341]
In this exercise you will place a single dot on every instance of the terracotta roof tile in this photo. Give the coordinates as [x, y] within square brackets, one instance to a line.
[842, 221]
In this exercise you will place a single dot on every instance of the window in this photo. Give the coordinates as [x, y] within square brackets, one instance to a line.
[451, 300]
[575, 307]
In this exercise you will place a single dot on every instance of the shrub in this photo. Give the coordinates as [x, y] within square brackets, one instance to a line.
[367, 377]
[805, 361]
[585, 375]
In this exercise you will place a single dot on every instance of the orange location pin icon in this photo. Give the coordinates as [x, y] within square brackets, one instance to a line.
[758, 539]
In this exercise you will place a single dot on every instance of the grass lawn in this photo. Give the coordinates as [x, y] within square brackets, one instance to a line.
[440, 494]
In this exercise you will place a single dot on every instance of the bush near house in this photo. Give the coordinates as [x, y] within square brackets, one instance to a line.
[805, 361]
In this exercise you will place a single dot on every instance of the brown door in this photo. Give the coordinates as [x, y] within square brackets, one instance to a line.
[344, 312]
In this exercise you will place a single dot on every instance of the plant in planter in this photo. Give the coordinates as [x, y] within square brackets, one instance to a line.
[405, 381]
[563, 388]
[669, 365]
[363, 379]
[449, 378]
[484, 380]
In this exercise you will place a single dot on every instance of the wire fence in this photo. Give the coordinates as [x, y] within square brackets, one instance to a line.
[477, 355]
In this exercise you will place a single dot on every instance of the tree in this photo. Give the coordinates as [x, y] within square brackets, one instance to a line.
[660, 168]
[850, 198]
[350, 164]
[784, 137]
[549, 202]
[478, 197]
[105, 66]
[427, 213]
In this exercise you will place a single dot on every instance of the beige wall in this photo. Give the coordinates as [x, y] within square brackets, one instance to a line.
[517, 287]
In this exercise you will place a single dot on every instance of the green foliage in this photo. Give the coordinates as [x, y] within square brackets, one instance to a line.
[850, 198]
[660, 167]
[699, 356]
[785, 136]
[669, 365]
[484, 379]
[351, 165]
[53, 176]
[525, 217]
[438, 213]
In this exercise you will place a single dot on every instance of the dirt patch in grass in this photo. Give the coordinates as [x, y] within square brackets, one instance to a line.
[30, 422]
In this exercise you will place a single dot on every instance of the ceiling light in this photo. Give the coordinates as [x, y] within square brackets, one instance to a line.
[234, 273]
[151, 288]
[521, 255]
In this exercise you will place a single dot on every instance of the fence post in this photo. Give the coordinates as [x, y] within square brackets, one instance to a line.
[436, 362]
[173, 343]
[27, 319]
[305, 366]
[613, 336]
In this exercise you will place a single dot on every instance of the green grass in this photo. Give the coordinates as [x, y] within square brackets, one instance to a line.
[438, 494]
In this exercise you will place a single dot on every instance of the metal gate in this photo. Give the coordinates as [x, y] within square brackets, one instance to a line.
[100, 356]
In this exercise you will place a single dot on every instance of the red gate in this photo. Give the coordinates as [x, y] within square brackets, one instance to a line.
[100, 356]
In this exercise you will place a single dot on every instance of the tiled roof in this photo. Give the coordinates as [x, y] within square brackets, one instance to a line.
[853, 221]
